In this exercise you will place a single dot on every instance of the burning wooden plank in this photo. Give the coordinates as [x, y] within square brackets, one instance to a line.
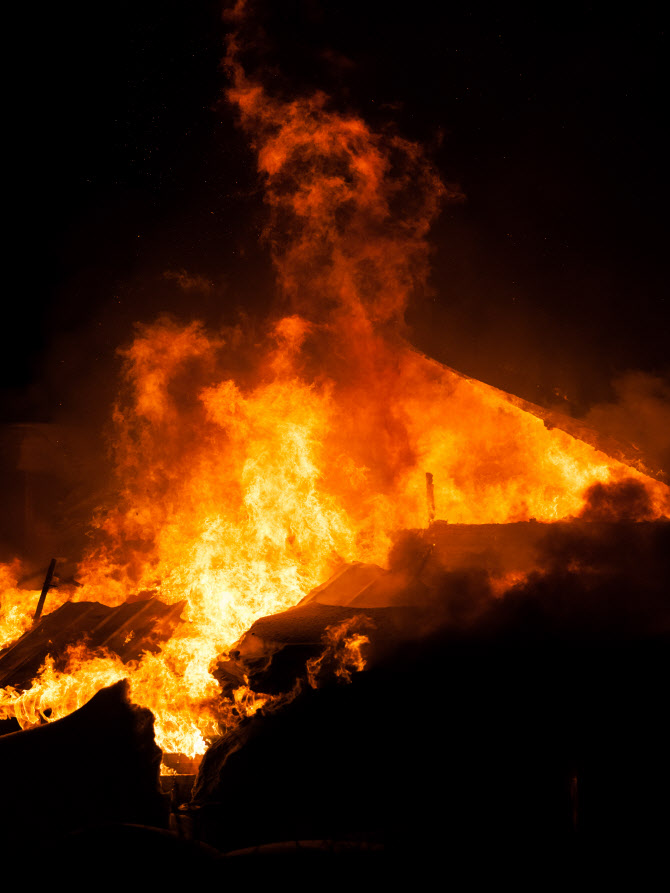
[126, 630]
[621, 450]
[45, 590]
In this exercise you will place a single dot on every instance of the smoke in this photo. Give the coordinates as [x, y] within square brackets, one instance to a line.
[189, 282]
[601, 580]
[640, 415]
[349, 208]
[623, 500]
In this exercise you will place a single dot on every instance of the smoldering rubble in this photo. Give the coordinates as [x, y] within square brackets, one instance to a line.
[532, 714]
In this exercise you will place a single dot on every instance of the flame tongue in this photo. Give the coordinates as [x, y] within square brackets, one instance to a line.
[241, 497]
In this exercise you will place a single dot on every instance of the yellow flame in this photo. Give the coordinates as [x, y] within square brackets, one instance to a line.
[240, 496]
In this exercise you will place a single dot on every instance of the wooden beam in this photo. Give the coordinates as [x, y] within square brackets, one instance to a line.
[45, 589]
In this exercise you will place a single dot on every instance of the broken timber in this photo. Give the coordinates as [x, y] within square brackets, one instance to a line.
[45, 589]
[127, 630]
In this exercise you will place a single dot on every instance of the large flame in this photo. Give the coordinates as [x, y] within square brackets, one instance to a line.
[240, 494]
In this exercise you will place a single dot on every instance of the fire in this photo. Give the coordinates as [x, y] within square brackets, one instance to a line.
[15, 619]
[343, 654]
[239, 494]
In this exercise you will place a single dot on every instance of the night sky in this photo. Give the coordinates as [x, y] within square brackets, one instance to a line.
[549, 280]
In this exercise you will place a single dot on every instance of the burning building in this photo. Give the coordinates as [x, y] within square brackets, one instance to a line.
[294, 506]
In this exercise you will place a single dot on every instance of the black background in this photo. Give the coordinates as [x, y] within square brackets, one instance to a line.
[548, 280]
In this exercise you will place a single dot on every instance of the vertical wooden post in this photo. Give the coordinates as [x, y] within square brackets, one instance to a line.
[430, 497]
[45, 589]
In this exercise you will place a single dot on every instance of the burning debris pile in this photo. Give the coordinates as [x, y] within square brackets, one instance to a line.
[127, 631]
[531, 716]
[271, 534]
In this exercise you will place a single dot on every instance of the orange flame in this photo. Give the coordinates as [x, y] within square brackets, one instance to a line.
[342, 654]
[17, 605]
[239, 496]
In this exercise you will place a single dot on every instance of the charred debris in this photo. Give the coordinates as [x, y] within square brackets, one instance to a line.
[537, 715]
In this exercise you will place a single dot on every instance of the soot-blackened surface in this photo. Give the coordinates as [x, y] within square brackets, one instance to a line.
[539, 717]
[98, 765]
